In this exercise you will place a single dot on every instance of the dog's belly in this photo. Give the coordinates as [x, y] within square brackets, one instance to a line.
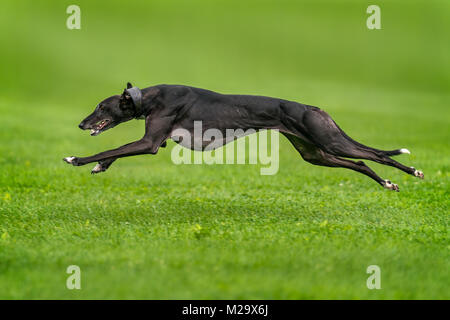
[211, 123]
[209, 139]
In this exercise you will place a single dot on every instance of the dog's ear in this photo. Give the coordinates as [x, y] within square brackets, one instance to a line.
[125, 95]
[129, 85]
[125, 98]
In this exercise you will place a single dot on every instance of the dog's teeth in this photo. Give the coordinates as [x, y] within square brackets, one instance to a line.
[92, 131]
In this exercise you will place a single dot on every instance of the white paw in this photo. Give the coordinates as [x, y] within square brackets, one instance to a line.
[403, 150]
[391, 186]
[69, 159]
[418, 174]
[97, 168]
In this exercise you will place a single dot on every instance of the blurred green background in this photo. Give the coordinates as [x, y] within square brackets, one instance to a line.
[150, 229]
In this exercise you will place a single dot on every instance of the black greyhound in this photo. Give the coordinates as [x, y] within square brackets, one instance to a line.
[166, 108]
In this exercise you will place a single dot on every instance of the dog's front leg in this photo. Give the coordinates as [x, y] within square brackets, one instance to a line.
[156, 133]
[143, 146]
[103, 165]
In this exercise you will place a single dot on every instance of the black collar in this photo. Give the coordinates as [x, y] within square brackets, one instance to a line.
[136, 96]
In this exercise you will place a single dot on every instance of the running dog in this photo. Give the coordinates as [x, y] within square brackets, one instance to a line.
[166, 108]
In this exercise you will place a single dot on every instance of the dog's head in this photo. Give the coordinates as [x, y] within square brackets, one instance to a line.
[110, 112]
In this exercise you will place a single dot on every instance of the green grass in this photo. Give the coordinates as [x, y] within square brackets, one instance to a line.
[150, 229]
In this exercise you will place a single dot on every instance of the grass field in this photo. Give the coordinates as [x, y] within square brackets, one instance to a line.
[150, 229]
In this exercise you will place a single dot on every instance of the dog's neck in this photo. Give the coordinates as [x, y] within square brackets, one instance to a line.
[148, 96]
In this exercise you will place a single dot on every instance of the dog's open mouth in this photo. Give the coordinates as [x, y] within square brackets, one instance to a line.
[99, 126]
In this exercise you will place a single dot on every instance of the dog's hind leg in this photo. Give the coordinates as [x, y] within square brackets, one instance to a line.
[326, 134]
[317, 156]
[383, 159]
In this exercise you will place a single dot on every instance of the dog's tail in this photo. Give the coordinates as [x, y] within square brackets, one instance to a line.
[395, 152]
